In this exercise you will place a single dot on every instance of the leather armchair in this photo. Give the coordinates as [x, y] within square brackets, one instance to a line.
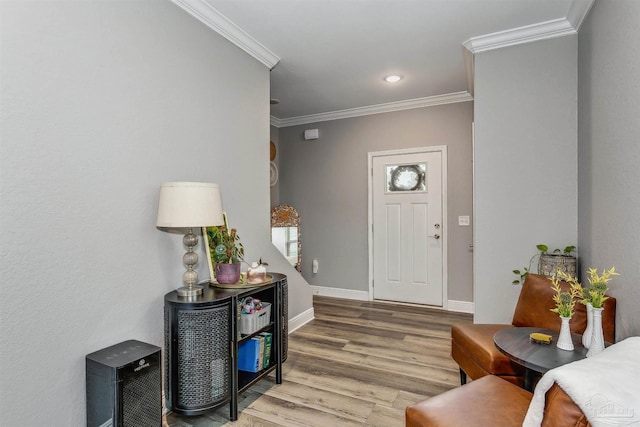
[472, 345]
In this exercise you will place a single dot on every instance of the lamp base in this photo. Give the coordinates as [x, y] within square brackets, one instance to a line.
[189, 291]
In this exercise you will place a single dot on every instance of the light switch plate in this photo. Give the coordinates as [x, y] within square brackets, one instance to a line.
[463, 220]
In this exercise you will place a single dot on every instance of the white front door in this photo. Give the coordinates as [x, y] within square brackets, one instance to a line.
[407, 226]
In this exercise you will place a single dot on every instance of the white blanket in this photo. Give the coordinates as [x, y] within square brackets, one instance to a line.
[606, 386]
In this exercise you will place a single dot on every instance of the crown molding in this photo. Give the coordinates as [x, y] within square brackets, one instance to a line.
[276, 122]
[389, 107]
[578, 11]
[516, 36]
[215, 20]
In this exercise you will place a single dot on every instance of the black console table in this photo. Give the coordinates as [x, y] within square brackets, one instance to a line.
[201, 345]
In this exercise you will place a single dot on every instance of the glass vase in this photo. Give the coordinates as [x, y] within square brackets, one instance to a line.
[586, 335]
[597, 337]
[564, 339]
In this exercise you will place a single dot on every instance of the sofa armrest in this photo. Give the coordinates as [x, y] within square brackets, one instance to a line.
[561, 411]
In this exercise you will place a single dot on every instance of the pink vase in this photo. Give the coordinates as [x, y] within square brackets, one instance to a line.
[228, 273]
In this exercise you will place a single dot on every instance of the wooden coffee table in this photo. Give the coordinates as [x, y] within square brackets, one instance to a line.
[536, 358]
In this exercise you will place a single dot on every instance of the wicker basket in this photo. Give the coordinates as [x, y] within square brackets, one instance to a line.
[550, 263]
[250, 323]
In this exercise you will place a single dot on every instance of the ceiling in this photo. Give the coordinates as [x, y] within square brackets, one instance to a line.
[329, 57]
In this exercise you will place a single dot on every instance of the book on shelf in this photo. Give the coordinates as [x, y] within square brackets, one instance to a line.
[249, 355]
[254, 354]
[266, 349]
[260, 340]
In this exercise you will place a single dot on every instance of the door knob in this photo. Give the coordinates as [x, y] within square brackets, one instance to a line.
[435, 236]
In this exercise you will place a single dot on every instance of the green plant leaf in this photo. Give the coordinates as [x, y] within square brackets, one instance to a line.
[542, 248]
[516, 272]
[569, 249]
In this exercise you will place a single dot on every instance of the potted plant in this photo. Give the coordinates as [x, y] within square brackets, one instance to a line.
[549, 262]
[557, 260]
[226, 252]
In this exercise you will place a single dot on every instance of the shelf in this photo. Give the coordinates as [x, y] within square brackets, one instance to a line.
[247, 379]
[266, 328]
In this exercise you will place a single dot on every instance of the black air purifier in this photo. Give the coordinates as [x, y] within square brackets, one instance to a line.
[124, 386]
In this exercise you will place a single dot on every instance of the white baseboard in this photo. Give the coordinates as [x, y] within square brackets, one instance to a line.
[452, 305]
[340, 293]
[461, 306]
[301, 319]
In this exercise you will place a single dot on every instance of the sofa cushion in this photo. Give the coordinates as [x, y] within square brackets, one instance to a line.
[475, 342]
[489, 401]
[536, 301]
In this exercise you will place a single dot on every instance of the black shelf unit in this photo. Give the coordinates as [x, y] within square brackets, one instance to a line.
[201, 346]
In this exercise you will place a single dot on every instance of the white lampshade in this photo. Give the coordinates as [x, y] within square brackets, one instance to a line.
[189, 204]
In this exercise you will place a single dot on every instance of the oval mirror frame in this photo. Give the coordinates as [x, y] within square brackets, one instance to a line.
[287, 216]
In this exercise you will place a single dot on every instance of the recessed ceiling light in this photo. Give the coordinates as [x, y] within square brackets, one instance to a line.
[392, 79]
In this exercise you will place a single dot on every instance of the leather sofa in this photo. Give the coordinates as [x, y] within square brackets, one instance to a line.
[472, 345]
[492, 401]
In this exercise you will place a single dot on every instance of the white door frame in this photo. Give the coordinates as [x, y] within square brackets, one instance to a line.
[445, 229]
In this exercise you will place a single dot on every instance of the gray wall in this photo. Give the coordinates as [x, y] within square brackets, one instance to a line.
[275, 190]
[326, 180]
[101, 102]
[609, 152]
[525, 164]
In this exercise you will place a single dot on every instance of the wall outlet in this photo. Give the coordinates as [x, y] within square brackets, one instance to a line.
[463, 220]
[314, 266]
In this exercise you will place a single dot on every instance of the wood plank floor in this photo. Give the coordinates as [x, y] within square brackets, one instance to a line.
[357, 363]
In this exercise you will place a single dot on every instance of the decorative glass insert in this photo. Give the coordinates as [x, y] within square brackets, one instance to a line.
[292, 241]
[406, 177]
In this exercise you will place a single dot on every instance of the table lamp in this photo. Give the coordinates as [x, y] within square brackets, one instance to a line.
[189, 205]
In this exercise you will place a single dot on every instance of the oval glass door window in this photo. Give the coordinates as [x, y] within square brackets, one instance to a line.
[406, 177]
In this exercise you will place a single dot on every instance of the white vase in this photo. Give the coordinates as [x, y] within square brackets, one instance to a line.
[597, 337]
[586, 335]
[564, 339]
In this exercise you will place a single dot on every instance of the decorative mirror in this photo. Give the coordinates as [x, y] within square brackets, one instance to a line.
[285, 234]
